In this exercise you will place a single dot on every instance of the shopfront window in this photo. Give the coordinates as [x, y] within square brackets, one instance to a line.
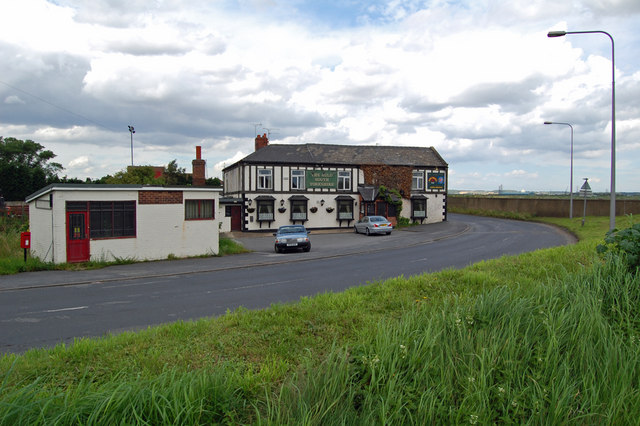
[345, 210]
[298, 210]
[419, 208]
[265, 210]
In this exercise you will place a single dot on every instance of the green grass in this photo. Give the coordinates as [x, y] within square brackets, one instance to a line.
[12, 256]
[545, 337]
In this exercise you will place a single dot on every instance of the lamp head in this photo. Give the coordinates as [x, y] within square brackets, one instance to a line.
[556, 33]
[548, 122]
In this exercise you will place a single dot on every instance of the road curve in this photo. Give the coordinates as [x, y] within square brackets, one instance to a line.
[42, 309]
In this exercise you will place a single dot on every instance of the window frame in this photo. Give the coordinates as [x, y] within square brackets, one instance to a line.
[202, 213]
[266, 203]
[265, 179]
[339, 213]
[112, 219]
[417, 180]
[298, 176]
[304, 205]
[344, 180]
[415, 202]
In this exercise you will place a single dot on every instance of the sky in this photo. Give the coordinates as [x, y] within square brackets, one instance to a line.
[475, 79]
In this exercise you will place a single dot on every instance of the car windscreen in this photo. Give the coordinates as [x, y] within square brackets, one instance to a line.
[378, 219]
[292, 230]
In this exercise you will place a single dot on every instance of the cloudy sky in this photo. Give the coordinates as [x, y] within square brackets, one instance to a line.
[474, 79]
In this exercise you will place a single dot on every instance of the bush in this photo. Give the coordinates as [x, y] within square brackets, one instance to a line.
[625, 243]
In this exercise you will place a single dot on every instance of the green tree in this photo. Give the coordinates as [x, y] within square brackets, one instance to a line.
[25, 167]
[141, 175]
[175, 175]
[213, 182]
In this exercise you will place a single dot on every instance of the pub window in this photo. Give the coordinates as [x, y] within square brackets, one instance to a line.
[344, 180]
[198, 209]
[418, 180]
[265, 210]
[297, 179]
[419, 209]
[265, 178]
[109, 219]
[298, 210]
[345, 210]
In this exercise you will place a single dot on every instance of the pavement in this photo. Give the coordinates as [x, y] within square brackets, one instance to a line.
[325, 244]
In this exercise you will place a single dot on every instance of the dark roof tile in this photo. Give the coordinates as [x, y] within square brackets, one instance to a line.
[309, 154]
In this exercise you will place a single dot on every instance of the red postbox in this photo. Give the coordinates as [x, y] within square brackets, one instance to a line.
[25, 240]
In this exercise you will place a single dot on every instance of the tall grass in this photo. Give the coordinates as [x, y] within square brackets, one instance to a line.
[546, 337]
[566, 352]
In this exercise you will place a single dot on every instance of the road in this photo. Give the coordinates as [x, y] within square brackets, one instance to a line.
[46, 308]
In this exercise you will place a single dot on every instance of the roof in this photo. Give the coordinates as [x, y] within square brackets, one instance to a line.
[100, 187]
[313, 154]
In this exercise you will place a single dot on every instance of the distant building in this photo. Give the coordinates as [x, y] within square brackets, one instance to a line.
[331, 186]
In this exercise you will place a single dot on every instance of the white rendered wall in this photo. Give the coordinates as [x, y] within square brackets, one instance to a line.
[41, 228]
[160, 230]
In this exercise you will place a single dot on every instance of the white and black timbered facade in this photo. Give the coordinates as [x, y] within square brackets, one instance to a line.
[331, 186]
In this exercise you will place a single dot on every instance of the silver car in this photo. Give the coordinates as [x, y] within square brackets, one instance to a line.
[373, 225]
[292, 237]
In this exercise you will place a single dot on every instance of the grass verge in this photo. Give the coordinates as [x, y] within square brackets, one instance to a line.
[12, 256]
[544, 337]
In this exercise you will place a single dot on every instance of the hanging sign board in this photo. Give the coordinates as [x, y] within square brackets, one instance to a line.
[435, 180]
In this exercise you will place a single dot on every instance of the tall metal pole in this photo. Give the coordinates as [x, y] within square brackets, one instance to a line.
[571, 168]
[612, 204]
[132, 131]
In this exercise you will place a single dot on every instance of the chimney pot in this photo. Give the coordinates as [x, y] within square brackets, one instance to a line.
[261, 141]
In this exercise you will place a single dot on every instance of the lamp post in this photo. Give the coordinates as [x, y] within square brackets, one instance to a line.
[571, 178]
[132, 131]
[612, 205]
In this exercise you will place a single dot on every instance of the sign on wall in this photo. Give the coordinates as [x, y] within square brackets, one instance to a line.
[322, 179]
[435, 180]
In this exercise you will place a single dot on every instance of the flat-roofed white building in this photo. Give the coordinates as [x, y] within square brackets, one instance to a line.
[77, 223]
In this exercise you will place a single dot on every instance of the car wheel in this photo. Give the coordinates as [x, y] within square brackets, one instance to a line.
[276, 249]
[355, 229]
[388, 233]
[307, 249]
[366, 231]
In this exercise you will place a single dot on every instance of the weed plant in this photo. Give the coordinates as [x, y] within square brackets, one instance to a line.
[545, 337]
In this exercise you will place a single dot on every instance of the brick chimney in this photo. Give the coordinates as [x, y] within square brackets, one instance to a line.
[198, 168]
[261, 141]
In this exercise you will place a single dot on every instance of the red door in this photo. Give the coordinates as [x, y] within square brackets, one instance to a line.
[77, 237]
[236, 218]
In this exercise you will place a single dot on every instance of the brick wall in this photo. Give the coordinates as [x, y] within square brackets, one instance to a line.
[159, 197]
[544, 206]
[393, 177]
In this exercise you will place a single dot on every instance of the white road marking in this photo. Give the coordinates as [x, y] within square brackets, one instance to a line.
[76, 308]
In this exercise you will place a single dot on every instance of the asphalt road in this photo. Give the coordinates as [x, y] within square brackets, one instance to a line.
[43, 309]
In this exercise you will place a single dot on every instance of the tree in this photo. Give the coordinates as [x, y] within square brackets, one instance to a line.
[25, 167]
[175, 175]
[213, 182]
[141, 175]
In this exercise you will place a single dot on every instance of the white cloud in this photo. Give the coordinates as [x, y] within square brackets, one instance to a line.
[474, 80]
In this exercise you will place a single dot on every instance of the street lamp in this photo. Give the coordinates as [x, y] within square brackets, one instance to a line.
[612, 206]
[571, 179]
[132, 131]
